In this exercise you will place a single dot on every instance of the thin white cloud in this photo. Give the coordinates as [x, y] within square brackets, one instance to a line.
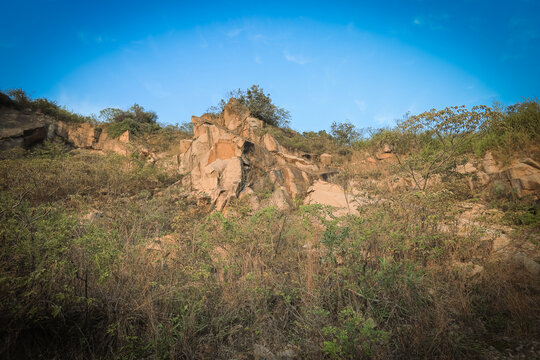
[361, 104]
[297, 59]
[258, 60]
[234, 32]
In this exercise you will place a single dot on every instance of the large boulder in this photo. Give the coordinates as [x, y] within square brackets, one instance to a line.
[324, 193]
[524, 177]
[326, 159]
[213, 162]
[489, 164]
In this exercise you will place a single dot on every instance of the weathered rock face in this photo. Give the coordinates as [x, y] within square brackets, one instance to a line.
[228, 159]
[489, 164]
[326, 159]
[88, 136]
[325, 193]
[524, 177]
[19, 129]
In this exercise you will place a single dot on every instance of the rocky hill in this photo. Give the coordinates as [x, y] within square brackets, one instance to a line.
[230, 245]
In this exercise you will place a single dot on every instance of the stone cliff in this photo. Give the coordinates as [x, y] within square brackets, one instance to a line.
[231, 157]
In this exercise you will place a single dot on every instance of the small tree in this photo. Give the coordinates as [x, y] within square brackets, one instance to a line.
[344, 133]
[259, 104]
[135, 112]
[431, 142]
[136, 120]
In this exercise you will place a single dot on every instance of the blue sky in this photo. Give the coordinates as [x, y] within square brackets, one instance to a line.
[366, 62]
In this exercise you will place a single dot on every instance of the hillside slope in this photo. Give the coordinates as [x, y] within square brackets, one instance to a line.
[221, 246]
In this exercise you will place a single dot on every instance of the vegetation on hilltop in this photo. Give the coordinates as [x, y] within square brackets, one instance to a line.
[260, 105]
[17, 98]
[104, 256]
[141, 123]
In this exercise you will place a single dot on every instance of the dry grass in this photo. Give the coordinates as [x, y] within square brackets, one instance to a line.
[159, 276]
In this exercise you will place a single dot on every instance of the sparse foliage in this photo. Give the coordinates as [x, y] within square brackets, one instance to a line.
[345, 133]
[259, 104]
[431, 142]
[152, 273]
[136, 120]
[21, 100]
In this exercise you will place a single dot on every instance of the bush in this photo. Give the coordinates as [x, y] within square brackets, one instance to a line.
[19, 99]
[433, 140]
[345, 133]
[515, 128]
[135, 120]
[259, 104]
[135, 112]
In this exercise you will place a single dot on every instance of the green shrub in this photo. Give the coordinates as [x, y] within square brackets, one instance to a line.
[135, 120]
[45, 106]
[259, 104]
[345, 133]
[516, 128]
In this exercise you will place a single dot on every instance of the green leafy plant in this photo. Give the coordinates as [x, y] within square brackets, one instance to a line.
[345, 133]
[18, 98]
[431, 142]
[136, 120]
[259, 104]
[354, 337]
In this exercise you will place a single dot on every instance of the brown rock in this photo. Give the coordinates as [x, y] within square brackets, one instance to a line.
[483, 178]
[384, 156]
[18, 129]
[225, 162]
[185, 145]
[124, 138]
[270, 143]
[234, 114]
[249, 195]
[466, 169]
[524, 177]
[530, 265]
[326, 159]
[489, 164]
[500, 243]
[280, 199]
[223, 149]
[80, 135]
[325, 193]
[107, 143]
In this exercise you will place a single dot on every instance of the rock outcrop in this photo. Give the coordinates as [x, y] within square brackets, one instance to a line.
[230, 158]
[325, 193]
[24, 129]
[88, 136]
[20, 129]
[522, 176]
